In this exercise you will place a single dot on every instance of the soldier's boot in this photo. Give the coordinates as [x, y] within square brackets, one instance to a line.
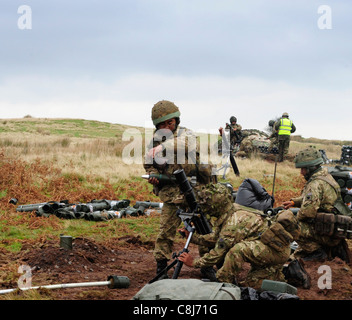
[342, 251]
[160, 266]
[209, 273]
[296, 275]
[317, 255]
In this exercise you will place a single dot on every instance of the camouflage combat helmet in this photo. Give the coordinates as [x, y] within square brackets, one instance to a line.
[309, 157]
[164, 110]
[214, 199]
[271, 123]
[285, 115]
[233, 119]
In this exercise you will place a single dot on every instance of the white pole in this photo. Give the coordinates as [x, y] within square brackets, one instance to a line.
[62, 286]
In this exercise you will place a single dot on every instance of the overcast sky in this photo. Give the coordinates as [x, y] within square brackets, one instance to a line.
[112, 60]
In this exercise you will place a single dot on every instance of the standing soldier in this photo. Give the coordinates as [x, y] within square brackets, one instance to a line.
[172, 148]
[320, 205]
[284, 126]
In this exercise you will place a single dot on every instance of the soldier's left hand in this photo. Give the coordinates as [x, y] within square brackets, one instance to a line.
[153, 181]
[152, 152]
[184, 232]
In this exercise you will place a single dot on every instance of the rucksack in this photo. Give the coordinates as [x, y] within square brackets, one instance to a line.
[188, 289]
[252, 194]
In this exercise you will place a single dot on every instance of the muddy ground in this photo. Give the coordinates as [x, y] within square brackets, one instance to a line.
[89, 262]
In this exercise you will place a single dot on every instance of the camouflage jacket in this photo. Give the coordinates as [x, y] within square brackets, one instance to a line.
[180, 151]
[234, 128]
[239, 224]
[319, 194]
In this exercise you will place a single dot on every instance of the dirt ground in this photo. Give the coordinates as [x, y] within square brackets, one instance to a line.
[90, 262]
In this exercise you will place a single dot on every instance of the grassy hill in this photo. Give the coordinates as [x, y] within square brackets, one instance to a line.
[93, 148]
[324, 142]
[91, 153]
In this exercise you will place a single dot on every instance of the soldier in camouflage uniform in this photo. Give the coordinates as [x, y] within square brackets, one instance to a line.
[235, 132]
[173, 147]
[216, 203]
[267, 254]
[242, 234]
[320, 194]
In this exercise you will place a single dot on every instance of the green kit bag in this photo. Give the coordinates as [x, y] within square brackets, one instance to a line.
[188, 289]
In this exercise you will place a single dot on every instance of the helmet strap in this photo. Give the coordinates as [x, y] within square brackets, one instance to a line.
[311, 171]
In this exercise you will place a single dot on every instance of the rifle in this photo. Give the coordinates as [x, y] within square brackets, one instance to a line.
[194, 221]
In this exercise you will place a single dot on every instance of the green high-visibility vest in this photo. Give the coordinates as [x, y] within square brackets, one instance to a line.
[285, 127]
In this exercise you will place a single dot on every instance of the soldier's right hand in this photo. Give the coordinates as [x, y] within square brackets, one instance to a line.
[186, 258]
[153, 181]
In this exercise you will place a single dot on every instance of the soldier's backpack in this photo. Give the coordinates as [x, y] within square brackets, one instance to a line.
[252, 194]
[188, 289]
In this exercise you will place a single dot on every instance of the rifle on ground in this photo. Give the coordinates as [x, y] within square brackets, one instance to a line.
[194, 221]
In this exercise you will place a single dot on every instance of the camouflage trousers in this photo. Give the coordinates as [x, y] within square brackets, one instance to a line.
[266, 263]
[284, 145]
[169, 222]
[309, 241]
